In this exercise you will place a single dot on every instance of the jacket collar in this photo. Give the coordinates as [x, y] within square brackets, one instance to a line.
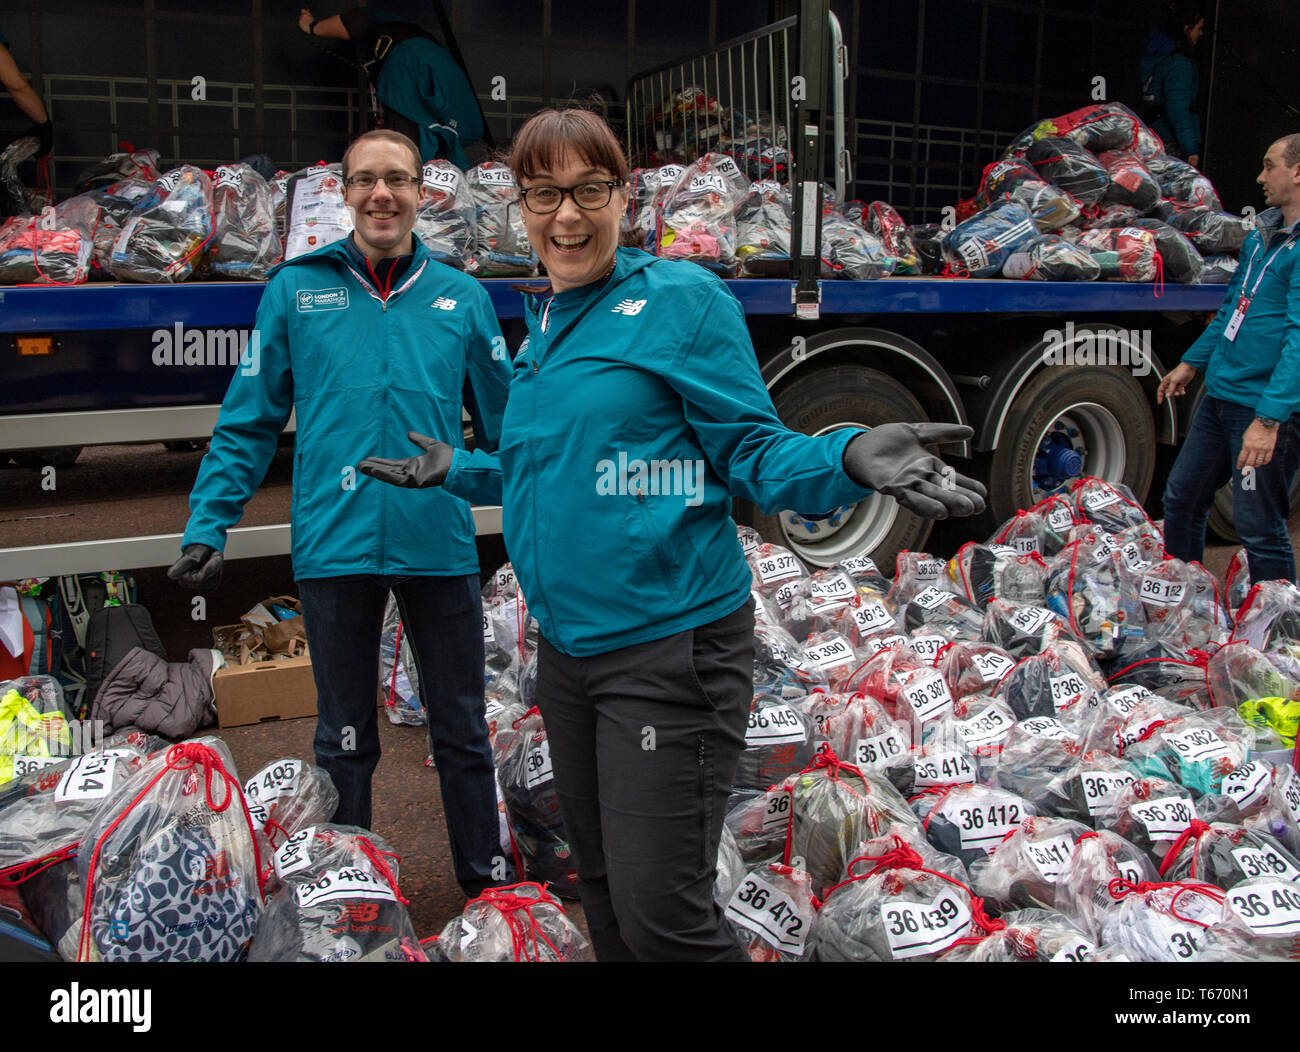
[627, 261]
[337, 251]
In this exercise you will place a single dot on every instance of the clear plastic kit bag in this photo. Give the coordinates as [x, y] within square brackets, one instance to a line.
[781, 666]
[968, 821]
[980, 245]
[910, 689]
[517, 923]
[850, 251]
[763, 231]
[1051, 207]
[1269, 620]
[1160, 922]
[1051, 683]
[913, 573]
[1131, 181]
[245, 244]
[1086, 790]
[1023, 631]
[1108, 505]
[1042, 529]
[1089, 586]
[771, 913]
[288, 795]
[315, 214]
[1023, 871]
[1050, 258]
[53, 248]
[1181, 262]
[501, 246]
[169, 863]
[698, 218]
[1181, 182]
[445, 221]
[1225, 854]
[779, 741]
[1124, 253]
[982, 723]
[1151, 814]
[1029, 763]
[1069, 166]
[882, 219]
[987, 571]
[338, 901]
[167, 230]
[1027, 935]
[1083, 886]
[972, 668]
[1213, 233]
[1199, 749]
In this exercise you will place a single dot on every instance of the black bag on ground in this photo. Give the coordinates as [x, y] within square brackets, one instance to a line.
[111, 634]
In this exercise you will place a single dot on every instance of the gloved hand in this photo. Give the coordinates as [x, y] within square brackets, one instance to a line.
[892, 459]
[44, 135]
[199, 567]
[420, 472]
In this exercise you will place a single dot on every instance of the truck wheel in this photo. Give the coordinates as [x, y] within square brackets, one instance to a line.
[825, 400]
[1067, 422]
[57, 457]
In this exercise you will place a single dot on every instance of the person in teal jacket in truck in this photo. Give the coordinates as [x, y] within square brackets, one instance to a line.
[362, 339]
[1247, 428]
[636, 410]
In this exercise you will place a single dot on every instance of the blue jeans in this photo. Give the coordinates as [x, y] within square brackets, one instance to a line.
[1261, 499]
[443, 619]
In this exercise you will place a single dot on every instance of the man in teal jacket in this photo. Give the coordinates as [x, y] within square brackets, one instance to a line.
[1247, 427]
[364, 339]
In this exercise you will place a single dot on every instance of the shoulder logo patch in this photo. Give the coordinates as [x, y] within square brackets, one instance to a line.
[322, 299]
[629, 307]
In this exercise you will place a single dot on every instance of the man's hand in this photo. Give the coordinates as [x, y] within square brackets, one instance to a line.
[199, 567]
[1256, 446]
[413, 472]
[1175, 382]
[892, 459]
[43, 133]
[305, 20]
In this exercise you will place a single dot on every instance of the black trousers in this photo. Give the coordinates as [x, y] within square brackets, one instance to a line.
[644, 743]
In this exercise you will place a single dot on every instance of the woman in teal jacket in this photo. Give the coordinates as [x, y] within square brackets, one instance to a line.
[635, 411]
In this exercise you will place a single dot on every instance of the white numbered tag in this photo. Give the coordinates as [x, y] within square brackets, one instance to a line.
[295, 853]
[748, 543]
[1102, 788]
[1183, 940]
[832, 594]
[880, 750]
[1045, 727]
[928, 695]
[1128, 734]
[1165, 818]
[1100, 498]
[258, 814]
[769, 913]
[1105, 548]
[982, 826]
[504, 579]
[786, 656]
[831, 653]
[1156, 591]
[931, 598]
[1271, 907]
[1068, 689]
[440, 178]
[777, 814]
[1029, 619]
[915, 928]
[1050, 857]
[227, 176]
[1126, 699]
[1291, 793]
[927, 647]
[774, 725]
[872, 617]
[1199, 743]
[489, 637]
[879, 643]
[991, 666]
[1026, 545]
[707, 183]
[492, 708]
[988, 728]
[496, 176]
[1132, 556]
[1002, 549]
[537, 770]
[25, 765]
[88, 777]
[1246, 784]
[347, 883]
[778, 567]
[929, 569]
[1264, 862]
[1076, 950]
[1060, 519]
[860, 565]
[274, 781]
[785, 594]
[948, 768]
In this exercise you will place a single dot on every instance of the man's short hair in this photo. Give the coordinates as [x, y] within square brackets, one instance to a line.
[384, 135]
[1290, 149]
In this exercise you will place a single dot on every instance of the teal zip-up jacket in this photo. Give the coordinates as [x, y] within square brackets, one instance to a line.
[1260, 369]
[359, 373]
[1173, 86]
[631, 422]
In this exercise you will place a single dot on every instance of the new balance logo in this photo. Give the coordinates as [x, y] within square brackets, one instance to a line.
[629, 307]
[443, 303]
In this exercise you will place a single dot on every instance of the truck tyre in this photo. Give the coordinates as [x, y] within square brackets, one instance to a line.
[1066, 422]
[826, 399]
[1221, 521]
[57, 457]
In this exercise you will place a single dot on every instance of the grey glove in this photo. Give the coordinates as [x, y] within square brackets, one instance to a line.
[892, 459]
[420, 472]
[199, 567]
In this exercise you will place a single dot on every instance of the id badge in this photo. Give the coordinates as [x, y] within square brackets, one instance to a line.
[1238, 316]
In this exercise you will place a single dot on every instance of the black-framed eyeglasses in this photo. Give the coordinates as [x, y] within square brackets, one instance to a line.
[542, 200]
[393, 180]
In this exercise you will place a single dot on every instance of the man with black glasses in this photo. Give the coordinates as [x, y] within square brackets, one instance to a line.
[367, 338]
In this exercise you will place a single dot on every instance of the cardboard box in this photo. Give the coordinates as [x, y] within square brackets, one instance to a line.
[264, 690]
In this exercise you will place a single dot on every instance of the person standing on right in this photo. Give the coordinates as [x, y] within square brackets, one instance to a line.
[1247, 427]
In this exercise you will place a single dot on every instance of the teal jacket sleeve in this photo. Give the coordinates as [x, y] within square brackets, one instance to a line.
[1182, 83]
[256, 408]
[729, 409]
[476, 476]
[1200, 352]
[1281, 396]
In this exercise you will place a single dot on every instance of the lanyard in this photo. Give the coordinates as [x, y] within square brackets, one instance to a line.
[1268, 263]
[546, 311]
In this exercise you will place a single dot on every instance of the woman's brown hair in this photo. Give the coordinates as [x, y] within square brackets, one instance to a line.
[540, 145]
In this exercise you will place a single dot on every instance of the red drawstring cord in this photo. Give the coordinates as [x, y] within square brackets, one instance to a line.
[15, 875]
[1195, 830]
[1144, 735]
[510, 905]
[534, 711]
[381, 867]
[1119, 887]
[272, 824]
[825, 760]
[1160, 274]
[182, 757]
